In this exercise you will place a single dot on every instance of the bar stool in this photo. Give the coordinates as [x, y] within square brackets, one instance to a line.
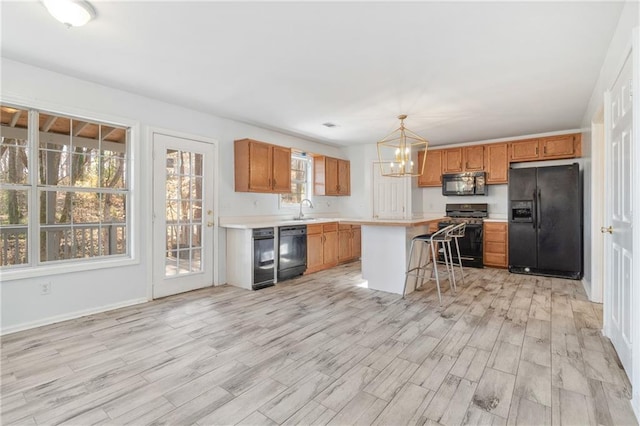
[456, 233]
[433, 241]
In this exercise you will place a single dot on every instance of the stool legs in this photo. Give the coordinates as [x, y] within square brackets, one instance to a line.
[459, 260]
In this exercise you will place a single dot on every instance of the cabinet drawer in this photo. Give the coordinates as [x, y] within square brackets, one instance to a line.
[495, 237]
[314, 229]
[328, 227]
[344, 227]
[495, 259]
[495, 248]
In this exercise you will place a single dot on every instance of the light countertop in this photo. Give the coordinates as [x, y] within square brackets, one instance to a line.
[392, 222]
[270, 222]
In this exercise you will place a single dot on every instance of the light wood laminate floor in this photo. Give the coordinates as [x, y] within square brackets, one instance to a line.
[320, 349]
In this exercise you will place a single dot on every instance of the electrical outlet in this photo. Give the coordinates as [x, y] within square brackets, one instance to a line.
[45, 288]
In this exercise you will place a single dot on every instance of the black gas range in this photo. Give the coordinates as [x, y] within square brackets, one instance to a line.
[471, 244]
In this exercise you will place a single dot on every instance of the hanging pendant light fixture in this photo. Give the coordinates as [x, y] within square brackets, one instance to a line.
[398, 152]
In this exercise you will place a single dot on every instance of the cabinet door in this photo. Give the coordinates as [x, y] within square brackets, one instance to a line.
[330, 248]
[495, 244]
[432, 174]
[452, 160]
[260, 167]
[357, 242]
[344, 178]
[497, 163]
[331, 176]
[474, 158]
[281, 171]
[562, 146]
[315, 258]
[344, 243]
[524, 150]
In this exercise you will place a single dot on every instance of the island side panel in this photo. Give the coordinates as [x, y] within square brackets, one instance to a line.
[240, 258]
[384, 257]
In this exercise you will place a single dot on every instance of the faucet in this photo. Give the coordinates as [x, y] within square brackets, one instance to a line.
[301, 215]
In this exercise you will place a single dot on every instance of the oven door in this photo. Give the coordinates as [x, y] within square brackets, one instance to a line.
[470, 246]
[458, 184]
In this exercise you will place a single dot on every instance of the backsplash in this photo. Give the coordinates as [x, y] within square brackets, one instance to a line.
[433, 202]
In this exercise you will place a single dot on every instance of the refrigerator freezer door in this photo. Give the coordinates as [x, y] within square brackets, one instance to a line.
[522, 235]
[560, 218]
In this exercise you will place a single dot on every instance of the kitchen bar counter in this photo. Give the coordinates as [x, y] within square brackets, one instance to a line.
[385, 250]
[385, 244]
[253, 223]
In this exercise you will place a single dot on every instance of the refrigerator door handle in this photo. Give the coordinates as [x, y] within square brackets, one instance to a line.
[539, 204]
[534, 213]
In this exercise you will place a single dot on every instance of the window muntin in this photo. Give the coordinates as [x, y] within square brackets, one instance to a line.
[184, 174]
[80, 188]
[15, 190]
[300, 175]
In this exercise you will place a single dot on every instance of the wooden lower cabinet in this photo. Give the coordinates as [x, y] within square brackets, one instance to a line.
[322, 246]
[495, 244]
[349, 243]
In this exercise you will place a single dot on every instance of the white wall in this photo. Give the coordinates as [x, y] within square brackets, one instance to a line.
[629, 19]
[620, 42]
[95, 290]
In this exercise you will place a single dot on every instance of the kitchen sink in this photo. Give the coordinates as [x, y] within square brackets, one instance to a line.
[304, 219]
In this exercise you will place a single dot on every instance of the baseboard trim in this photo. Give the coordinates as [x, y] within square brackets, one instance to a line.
[69, 316]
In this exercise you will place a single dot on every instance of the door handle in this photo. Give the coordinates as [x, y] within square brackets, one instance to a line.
[534, 213]
[539, 208]
[605, 230]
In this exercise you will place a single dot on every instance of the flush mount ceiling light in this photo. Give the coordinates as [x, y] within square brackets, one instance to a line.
[72, 13]
[398, 152]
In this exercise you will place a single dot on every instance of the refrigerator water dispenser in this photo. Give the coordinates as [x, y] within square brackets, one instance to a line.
[522, 211]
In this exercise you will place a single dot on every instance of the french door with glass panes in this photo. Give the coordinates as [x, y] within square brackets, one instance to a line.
[183, 225]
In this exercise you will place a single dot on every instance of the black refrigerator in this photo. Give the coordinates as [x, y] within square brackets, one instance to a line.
[545, 221]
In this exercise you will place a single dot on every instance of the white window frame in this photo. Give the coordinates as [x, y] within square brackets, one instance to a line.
[309, 178]
[36, 268]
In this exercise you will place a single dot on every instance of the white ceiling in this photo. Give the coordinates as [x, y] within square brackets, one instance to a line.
[462, 71]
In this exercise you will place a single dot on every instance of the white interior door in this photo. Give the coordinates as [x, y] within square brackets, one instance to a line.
[389, 196]
[183, 226]
[618, 225]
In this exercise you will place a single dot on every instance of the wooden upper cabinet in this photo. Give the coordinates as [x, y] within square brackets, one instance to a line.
[547, 148]
[281, 174]
[331, 176]
[261, 167]
[526, 150]
[432, 173]
[344, 177]
[452, 161]
[497, 160]
[563, 146]
[473, 158]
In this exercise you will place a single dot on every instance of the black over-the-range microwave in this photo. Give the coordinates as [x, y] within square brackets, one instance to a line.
[470, 183]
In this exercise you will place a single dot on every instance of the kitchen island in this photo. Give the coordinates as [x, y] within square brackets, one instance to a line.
[385, 250]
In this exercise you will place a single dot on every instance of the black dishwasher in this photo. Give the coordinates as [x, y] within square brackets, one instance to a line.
[263, 258]
[292, 257]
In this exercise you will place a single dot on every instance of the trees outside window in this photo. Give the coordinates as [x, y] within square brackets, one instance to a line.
[73, 204]
[300, 174]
